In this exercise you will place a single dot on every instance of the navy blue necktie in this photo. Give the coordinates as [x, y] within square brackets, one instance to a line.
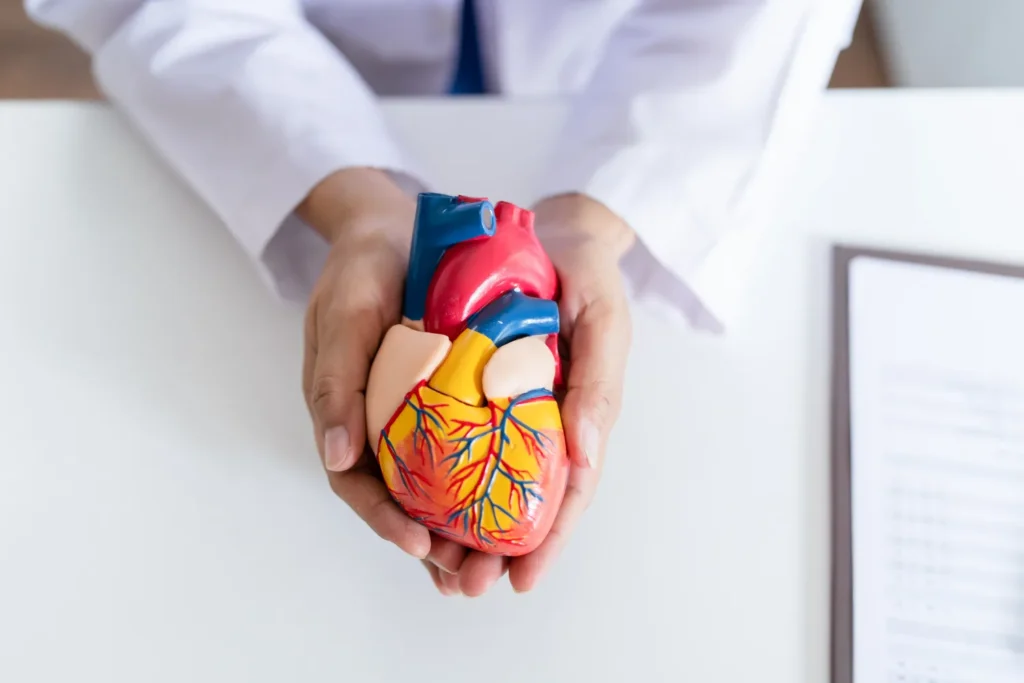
[469, 79]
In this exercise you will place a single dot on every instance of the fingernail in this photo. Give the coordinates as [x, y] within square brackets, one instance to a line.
[420, 547]
[336, 449]
[590, 439]
[450, 582]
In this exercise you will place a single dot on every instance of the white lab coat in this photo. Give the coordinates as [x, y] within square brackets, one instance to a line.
[674, 104]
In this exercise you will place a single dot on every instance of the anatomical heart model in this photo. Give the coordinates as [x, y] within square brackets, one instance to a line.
[459, 404]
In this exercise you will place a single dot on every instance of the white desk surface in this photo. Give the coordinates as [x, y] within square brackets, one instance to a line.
[163, 516]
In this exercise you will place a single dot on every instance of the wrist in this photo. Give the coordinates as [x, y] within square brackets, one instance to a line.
[359, 202]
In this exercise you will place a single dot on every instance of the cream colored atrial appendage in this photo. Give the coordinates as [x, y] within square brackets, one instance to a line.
[518, 367]
[405, 358]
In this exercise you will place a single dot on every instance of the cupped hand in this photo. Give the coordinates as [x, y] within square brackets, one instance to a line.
[586, 242]
[368, 221]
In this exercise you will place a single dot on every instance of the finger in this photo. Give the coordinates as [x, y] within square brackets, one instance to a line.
[479, 572]
[370, 499]
[448, 557]
[504, 566]
[446, 554]
[347, 340]
[435, 576]
[309, 367]
[601, 337]
[525, 571]
[450, 582]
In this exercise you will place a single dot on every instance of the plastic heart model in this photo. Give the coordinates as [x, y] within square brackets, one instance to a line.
[459, 403]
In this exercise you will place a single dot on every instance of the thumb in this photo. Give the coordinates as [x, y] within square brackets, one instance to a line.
[347, 342]
[599, 347]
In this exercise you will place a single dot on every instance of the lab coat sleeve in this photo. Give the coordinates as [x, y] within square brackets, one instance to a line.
[688, 119]
[248, 102]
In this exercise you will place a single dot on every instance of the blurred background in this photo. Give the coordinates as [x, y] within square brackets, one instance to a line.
[898, 43]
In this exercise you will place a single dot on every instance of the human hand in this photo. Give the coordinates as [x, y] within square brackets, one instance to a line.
[368, 222]
[585, 241]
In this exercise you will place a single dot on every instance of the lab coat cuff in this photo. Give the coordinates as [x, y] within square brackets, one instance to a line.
[289, 254]
[274, 195]
[665, 269]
